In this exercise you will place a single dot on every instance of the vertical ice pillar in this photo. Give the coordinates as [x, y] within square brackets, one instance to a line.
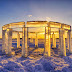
[53, 40]
[62, 42]
[36, 41]
[25, 42]
[69, 40]
[47, 41]
[18, 40]
[3, 40]
[8, 41]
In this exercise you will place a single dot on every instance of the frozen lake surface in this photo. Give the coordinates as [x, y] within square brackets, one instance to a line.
[17, 63]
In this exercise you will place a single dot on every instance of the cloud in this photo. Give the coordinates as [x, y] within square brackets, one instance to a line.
[29, 15]
[48, 18]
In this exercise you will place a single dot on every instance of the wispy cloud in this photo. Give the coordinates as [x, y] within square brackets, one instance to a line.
[48, 18]
[29, 15]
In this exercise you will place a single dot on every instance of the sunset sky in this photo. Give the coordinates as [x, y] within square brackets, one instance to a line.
[26, 10]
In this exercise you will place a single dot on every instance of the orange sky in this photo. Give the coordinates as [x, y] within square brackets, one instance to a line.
[39, 36]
